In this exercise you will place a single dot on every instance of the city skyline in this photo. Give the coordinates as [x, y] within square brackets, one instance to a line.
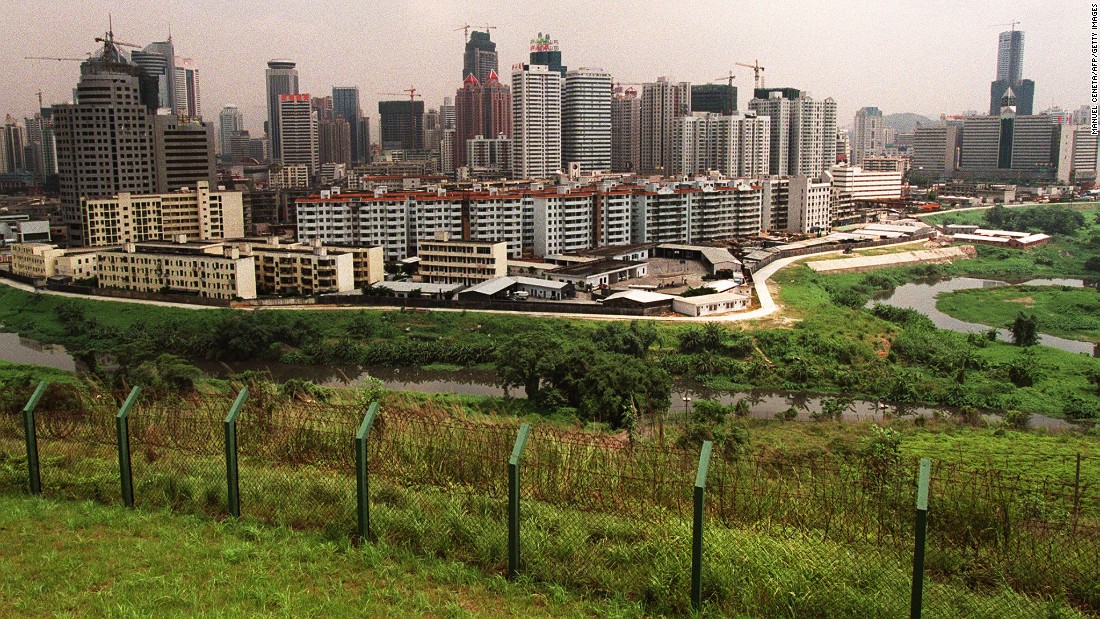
[862, 54]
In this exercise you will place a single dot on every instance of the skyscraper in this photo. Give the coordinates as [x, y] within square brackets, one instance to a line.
[13, 138]
[188, 95]
[183, 152]
[159, 61]
[868, 135]
[803, 132]
[114, 98]
[586, 119]
[626, 127]
[481, 108]
[282, 79]
[334, 141]
[402, 124]
[345, 103]
[447, 113]
[736, 145]
[663, 102]
[1010, 90]
[42, 141]
[536, 121]
[230, 120]
[480, 57]
[298, 131]
[545, 51]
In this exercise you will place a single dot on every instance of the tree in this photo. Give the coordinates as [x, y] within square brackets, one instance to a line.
[166, 373]
[524, 360]
[633, 340]
[1025, 330]
[1093, 264]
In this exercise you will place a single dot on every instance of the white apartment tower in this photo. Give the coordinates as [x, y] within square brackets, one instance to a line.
[736, 146]
[187, 101]
[298, 131]
[868, 135]
[803, 133]
[663, 102]
[536, 121]
[586, 119]
[809, 208]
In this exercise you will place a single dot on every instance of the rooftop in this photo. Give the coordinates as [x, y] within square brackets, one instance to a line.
[607, 265]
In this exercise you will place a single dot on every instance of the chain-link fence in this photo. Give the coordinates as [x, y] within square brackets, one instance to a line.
[606, 515]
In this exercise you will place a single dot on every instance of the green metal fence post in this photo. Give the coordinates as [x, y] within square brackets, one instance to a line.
[231, 477]
[362, 496]
[697, 526]
[513, 499]
[921, 528]
[122, 430]
[34, 475]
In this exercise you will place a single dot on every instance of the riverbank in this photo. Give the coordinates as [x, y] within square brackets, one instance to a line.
[1071, 313]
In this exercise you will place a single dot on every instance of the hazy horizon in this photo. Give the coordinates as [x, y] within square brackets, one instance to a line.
[924, 57]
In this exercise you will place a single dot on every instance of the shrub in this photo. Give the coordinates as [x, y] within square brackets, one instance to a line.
[1018, 419]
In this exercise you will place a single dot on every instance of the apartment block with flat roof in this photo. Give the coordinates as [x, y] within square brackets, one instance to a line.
[448, 261]
[210, 270]
[127, 218]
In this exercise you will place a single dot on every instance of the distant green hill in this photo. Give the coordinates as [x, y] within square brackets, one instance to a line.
[906, 121]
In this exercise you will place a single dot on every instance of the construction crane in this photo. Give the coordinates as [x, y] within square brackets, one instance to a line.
[411, 90]
[52, 58]
[111, 39]
[1012, 23]
[488, 28]
[465, 31]
[729, 78]
[757, 70]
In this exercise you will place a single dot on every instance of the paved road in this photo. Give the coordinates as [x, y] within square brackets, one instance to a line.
[768, 306]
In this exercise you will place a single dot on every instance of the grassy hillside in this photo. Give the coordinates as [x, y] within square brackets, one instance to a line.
[85, 559]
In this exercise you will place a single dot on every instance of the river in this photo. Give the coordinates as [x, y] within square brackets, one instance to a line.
[764, 404]
[921, 296]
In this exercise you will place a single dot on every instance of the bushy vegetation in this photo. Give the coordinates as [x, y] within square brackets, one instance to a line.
[1049, 219]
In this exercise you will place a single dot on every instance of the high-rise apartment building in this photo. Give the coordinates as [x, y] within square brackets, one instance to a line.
[298, 132]
[714, 99]
[188, 94]
[481, 108]
[113, 98]
[41, 144]
[334, 141]
[586, 120]
[935, 152]
[1010, 89]
[480, 57]
[663, 102]
[13, 139]
[402, 124]
[282, 79]
[736, 145]
[810, 205]
[345, 102]
[447, 113]
[536, 121]
[803, 139]
[868, 135]
[230, 120]
[184, 152]
[626, 128]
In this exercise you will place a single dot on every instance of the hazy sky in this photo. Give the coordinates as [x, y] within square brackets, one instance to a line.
[920, 56]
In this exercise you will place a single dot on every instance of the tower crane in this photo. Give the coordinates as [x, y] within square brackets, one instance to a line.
[757, 70]
[411, 91]
[488, 28]
[728, 109]
[729, 78]
[52, 58]
[111, 39]
[1012, 23]
[465, 31]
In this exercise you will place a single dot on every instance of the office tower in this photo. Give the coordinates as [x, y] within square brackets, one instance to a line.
[345, 102]
[843, 146]
[447, 113]
[1009, 147]
[159, 61]
[868, 134]
[1010, 89]
[626, 125]
[402, 124]
[736, 146]
[334, 141]
[230, 120]
[480, 57]
[113, 98]
[803, 131]
[183, 152]
[282, 79]
[536, 121]
[188, 95]
[298, 132]
[544, 51]
[433, 131]
[483, 109]
[586, 120]
[714, 98]
[12, 142]
[364, 139]
[663, 102]
[239, 147]
[935, 152]
[322, 106]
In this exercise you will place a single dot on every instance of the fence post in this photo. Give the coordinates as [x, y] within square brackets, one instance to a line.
[513, 500]
[231, 477]
[916, 597]
[122, 430]
[362, 498]
[34, 475]
[697, 526]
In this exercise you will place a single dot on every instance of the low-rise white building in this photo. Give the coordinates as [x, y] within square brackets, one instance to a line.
[860, 184]
[205, 269]
[710, 304]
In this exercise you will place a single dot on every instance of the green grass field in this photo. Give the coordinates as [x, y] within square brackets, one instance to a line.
[1072, 313]
[82, 559]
